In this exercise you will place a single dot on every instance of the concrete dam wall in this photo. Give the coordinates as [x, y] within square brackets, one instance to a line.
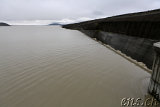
[140, 49]
[144, 29]
[154, 86]
[132, 34]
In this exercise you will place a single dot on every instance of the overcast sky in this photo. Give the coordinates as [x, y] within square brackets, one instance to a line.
[70, 10]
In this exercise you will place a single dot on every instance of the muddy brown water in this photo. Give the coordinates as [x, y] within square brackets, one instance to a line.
[48, 66]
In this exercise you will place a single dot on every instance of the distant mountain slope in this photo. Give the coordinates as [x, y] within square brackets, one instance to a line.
[55, 24]
[4, 24]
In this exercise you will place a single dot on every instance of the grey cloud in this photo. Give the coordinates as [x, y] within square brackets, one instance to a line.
[98, 13]
[70, 9]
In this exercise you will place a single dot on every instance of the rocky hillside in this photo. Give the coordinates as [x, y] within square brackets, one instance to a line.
[4, 24]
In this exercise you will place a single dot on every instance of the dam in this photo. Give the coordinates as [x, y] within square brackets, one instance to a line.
[133, 34]
[48, 66]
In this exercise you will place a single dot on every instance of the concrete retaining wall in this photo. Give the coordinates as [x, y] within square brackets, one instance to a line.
[140, 49]
[154, 87]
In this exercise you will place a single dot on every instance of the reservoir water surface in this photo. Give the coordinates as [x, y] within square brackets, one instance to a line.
[48, 66]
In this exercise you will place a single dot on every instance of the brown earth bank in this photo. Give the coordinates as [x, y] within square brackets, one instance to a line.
[133, 34]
